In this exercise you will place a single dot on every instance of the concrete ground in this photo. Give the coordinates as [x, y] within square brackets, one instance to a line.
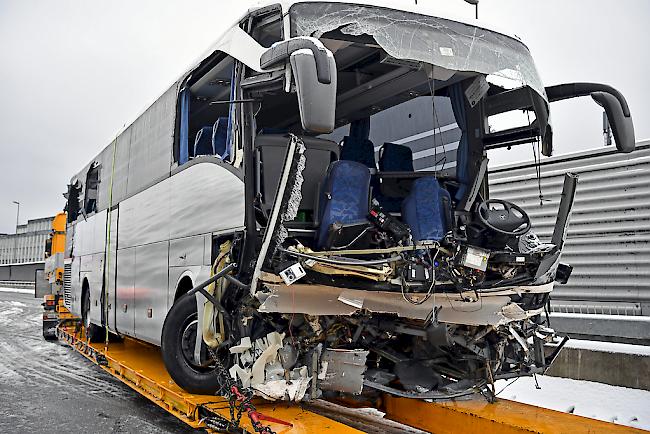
[47, 387]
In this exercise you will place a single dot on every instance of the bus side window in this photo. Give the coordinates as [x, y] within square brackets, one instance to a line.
[266, 26]
[205, 115]
[92, 185]
[72, 205]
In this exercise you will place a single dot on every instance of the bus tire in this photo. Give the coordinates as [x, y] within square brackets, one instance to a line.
[176, 348]
[94, 333]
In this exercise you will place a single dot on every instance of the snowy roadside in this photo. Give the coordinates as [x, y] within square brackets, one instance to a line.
[17, 290]
[608, 347]
[620, 405]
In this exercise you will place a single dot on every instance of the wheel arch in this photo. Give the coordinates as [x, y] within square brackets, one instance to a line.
[184, 284]
[85, 289]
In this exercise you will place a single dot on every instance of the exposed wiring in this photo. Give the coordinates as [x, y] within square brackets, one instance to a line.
[436, 124]
[357, 238]
[537, 158]
[340, 261]
[432, 287]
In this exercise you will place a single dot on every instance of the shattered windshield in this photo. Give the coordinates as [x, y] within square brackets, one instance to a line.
[404, 35]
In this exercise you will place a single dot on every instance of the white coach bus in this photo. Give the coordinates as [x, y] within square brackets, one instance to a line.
[335, 154]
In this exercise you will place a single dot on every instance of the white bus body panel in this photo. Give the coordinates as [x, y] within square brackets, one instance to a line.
[163, 232]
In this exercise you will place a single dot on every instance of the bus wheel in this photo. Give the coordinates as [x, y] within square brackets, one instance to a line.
[94, 332]
[177, 348]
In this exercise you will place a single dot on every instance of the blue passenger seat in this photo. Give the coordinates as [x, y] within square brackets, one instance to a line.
[425, 210]
[203, 142]
[345, 197]
[220, 137]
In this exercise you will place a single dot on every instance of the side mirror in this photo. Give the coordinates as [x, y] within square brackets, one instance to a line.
[314, 70]
[622, 126]
[316, 100]
[614, 103]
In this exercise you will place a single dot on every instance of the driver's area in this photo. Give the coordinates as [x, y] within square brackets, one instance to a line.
[405, 170]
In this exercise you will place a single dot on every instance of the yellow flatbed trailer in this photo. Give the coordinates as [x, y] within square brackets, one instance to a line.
[140, 366]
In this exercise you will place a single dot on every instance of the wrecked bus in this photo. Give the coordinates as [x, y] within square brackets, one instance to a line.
[306, 211]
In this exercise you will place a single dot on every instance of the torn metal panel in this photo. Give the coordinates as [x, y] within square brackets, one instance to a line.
[244, 345]
[548, 267]
[258, 370]
[282, 389]
[237, 372]
[329, 300]
[240, 45]
[285, 205]
[344, 370]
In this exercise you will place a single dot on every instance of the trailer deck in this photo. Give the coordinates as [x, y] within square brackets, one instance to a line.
[140, 366]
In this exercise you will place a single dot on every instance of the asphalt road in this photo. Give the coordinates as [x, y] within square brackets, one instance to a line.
[47, 387]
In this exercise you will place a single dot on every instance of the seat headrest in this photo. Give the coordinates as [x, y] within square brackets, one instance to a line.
[349, 169]
[360, 150]
[395, 158]
[203, 142]
[220, 137]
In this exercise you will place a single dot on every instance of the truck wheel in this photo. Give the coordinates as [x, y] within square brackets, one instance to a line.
[49, 330]
[177, 347]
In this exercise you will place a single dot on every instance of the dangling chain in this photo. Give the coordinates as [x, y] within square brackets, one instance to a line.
[240, 399]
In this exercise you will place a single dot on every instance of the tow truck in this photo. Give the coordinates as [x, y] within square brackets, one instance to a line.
[49, 285]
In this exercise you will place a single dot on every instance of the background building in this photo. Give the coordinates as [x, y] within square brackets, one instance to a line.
[22, 253]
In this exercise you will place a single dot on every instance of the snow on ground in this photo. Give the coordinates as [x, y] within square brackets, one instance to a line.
[608, 347]
[9, 309]
[18, 290]
[12, 303]
[620, 405]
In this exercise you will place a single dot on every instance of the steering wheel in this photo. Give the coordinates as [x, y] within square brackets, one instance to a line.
[505, 218]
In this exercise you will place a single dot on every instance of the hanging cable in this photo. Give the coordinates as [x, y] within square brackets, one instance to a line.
[537, 158]
[107, 254]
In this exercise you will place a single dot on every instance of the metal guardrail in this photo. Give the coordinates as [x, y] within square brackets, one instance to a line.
[16, 284]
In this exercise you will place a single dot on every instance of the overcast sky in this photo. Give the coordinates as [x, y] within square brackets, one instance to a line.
[73, 73]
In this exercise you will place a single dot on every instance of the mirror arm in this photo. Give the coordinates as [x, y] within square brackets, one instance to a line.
[282, 51]
[572, 90]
